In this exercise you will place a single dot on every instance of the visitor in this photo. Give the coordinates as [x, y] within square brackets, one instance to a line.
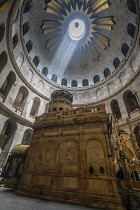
[135, 174]
[120, 174]
[1, 170]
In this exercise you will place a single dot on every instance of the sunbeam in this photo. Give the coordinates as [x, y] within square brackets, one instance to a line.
[63, 55]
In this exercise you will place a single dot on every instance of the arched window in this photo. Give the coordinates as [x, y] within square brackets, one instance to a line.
[54, 78]
[130, 101]
[54, 109]
[15, 40]
[3, 60]
[131, 30]
[125, 49]
[116, 62]
[131, 6]
[96, 79]
[61, 108]
[27, 137]
[64, 82]
[107, 72]
[29, 45]
[2, 31]
[6, 138]
[21, 99]
[115, 109]
[47, 107]
[74, 83]
[35, 107]
[36, 60]
[26, 27]
[45, 71]
[28, 6]
[85, 83]
[11, 78]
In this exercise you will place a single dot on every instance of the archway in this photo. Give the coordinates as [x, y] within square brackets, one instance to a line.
[27, 137]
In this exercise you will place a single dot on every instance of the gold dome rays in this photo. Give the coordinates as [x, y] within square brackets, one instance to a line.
[95, 38]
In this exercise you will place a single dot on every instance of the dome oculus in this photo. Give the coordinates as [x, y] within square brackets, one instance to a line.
[76, 29]
[83, 21]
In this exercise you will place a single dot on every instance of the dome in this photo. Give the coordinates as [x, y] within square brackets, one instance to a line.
[82, 41]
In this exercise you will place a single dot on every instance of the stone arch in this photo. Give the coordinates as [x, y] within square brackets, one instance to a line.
[45, 71]
[36, 61]
[96, 79]
[131, 6]
[29, 46]
[99, 93]
[35, 107]
[20, 60]
[115, 109]
[2, 31]
[27, 137]
[69, 155]
[111, 87]
[8, 83]
[130, 101]
[15, 40]
[86, 96]
[85, 83]
[21, 98]
[122, 77]
[116, 63]
[25, 28]
[6, 138]
[54, 78]
[125, 48]
[28, 6]
[64, 82]
[3, 60]
[106, 72]
[131, 30]
[74, 83]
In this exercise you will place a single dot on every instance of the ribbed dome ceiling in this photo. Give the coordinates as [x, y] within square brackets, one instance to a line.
[78, 43]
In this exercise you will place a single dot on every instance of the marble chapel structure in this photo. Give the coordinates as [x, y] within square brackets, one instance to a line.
[69, 156]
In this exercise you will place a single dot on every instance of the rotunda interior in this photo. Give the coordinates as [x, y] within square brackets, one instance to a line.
[90, 48]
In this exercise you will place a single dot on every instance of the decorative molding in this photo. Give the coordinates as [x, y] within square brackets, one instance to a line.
[10, 114]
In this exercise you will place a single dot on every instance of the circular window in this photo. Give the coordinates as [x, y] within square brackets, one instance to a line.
[102, 170]
[77, 29]
[91, 170]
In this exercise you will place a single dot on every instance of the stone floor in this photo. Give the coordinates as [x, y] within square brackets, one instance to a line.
[9, 200]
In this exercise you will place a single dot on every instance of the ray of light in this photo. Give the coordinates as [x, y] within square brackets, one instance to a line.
[57, 27]
[63, 55]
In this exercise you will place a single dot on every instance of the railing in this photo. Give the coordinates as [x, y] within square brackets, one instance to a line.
[76, 111]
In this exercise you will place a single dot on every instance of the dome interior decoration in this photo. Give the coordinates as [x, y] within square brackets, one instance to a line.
[78, 23]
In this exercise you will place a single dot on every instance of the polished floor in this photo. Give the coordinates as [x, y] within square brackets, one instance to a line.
[9, 200]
